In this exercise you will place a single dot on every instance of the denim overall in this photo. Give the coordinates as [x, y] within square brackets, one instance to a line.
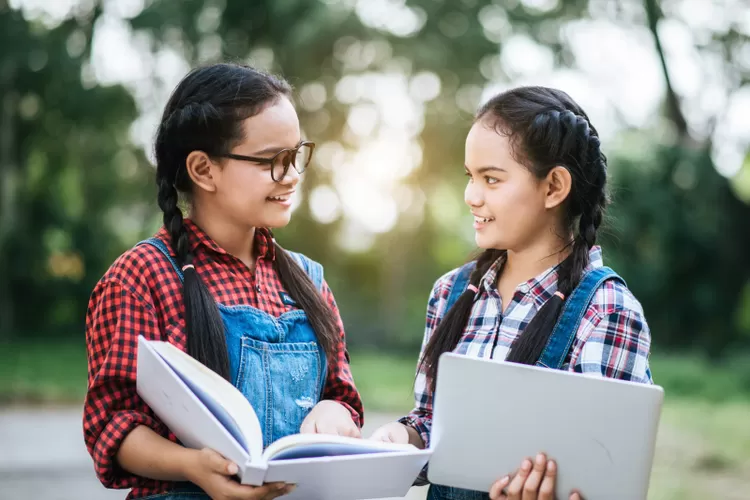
[553, 356]
[277, 363]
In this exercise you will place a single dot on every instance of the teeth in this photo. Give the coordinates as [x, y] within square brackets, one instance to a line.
[483, 219]
[279, 198]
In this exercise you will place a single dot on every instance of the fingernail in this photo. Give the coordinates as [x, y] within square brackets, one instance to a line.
[282, 486]
[232, 468]
[540, 459]
[526, 465]
[290, 488]
[551, 466]
[505, 480]
[575, 496]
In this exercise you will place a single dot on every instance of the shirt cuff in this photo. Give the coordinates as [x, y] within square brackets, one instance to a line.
[107, 469]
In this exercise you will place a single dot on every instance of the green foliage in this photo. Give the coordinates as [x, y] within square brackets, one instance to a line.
[75, 192]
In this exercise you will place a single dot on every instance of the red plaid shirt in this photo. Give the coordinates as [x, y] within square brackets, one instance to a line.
[142, 295]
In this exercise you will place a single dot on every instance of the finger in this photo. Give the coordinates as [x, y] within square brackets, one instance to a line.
[516, 485]
[219, 464]
[353, 431]
[325, 427]
[284, 489]
[547, 488]
[244, 492]
[575, 496]
[496, 490]
[531, 486]
[308, 426]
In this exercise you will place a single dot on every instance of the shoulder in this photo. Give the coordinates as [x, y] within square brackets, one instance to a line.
[138, 270]
[443, 286]
[313, 268]
[615, 313]
[614, 296]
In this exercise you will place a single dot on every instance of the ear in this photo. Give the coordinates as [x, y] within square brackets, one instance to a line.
[558, 185]
[201, 170]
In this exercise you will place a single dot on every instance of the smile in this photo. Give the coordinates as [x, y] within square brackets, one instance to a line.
[483, 220]
[282, 197]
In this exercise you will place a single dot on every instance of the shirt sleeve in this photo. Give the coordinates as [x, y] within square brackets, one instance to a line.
[112, 407]
[618, 347]
[339, 384]
[420, 418]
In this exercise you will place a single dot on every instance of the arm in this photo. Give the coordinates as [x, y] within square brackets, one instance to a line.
[415, 427]
[112, 408]
[125, 440]
[419, 421]
[145, 453]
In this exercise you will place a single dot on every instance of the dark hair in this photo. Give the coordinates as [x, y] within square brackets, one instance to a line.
[546, 128]
[205, 112]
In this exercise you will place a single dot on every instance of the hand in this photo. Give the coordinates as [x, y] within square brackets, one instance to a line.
[330, 417]
[530, 482]
[213, 473]
[392, 432]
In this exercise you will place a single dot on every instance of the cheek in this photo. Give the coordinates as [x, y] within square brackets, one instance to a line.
[516, 207]
[246, 188]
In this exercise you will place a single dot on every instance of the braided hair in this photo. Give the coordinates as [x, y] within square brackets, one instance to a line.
[205, 112]
[546, 128]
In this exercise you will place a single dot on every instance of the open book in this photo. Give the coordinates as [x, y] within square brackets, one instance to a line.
[205, 411]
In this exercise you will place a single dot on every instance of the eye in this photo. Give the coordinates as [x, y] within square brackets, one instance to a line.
[468, 174]
[491, 180]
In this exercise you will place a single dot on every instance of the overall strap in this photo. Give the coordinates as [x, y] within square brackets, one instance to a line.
[575, 307]
[162, 247]
[312, 268]
[459, 284]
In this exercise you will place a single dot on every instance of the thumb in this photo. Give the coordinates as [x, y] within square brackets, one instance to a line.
[496, 491]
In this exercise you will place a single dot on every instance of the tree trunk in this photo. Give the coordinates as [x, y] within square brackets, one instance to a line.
[674, 112]
[8, 188]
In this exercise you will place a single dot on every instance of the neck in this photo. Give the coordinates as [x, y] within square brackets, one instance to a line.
[530, 261]
[233, 237]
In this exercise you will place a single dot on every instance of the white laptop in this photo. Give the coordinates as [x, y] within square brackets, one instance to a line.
[489, 415]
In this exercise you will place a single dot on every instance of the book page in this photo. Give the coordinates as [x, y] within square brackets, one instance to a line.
[221, 398]
[324, 445]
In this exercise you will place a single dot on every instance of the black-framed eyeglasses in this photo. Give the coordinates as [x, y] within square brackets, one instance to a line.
[298, 157]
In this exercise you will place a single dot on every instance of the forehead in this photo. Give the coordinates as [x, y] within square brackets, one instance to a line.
[484, 144]
[277, 125]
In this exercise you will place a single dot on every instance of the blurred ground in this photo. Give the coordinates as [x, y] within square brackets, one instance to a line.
[42, 455]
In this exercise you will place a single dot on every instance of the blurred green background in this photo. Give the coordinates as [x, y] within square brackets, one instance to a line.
[387, 89]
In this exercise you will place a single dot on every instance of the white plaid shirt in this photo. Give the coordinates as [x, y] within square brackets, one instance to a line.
[613, 339]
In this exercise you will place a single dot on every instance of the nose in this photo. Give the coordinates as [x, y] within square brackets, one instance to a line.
[473, 195]
[291, 178]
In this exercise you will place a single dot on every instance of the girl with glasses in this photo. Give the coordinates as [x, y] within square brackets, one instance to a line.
[214, 282]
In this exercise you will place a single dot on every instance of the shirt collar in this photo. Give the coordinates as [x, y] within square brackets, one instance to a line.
[200, 240]
[542, 286]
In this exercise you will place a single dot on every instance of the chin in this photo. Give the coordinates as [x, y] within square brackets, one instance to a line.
[276, 222]
[488, 241]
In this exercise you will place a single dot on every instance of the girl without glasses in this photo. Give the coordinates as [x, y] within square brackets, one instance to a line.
[537, 189]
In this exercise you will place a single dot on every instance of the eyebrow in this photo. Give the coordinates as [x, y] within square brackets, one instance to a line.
[275, 149]
[487, 168]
